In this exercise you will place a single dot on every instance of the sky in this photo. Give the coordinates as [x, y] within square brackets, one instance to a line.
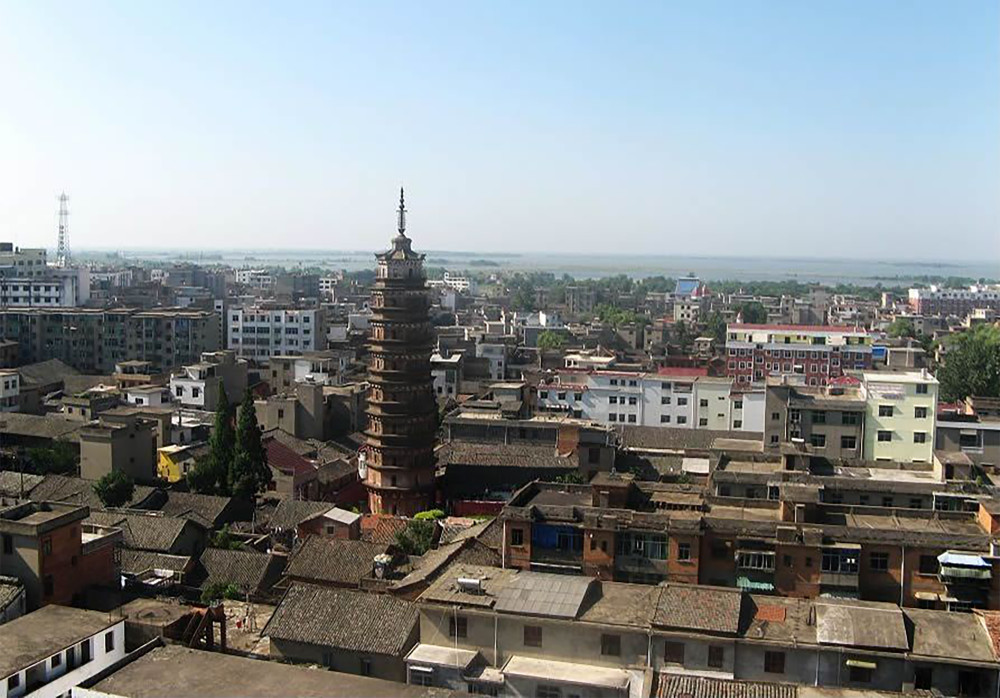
[846, 128]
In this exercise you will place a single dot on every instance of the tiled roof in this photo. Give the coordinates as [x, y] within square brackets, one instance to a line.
[344, 619]
[281, 457]
[711, 609]
[290, 513]
[334, 560]
[13, 483]
[42, 426]
[209, 510]
[10, 589]
[138, 561]
[488, 455]
[46, 372]
[677, 685]
[249, 570]
[144, 531]
[679, 438]
[381, 528]
[76, 490]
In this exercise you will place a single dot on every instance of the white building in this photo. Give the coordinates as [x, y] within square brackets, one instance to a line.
[684, 398]
[197, 386]
[22, 262]
[496, 354]
[447, 374]
[57, 287]
[260, 332]
[10, 391]
[148, 396]
[259, 279]
[46, 653]
[901, 416]
[459, 282]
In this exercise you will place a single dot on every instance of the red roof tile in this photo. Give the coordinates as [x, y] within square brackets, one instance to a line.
[285, 459]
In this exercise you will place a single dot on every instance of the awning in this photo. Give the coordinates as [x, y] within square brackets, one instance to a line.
[436, 655]
[551, 671]
[963, 559]
[747, 584]
[966, 572]
[861, 664]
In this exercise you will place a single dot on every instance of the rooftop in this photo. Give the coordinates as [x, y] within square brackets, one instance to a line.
[40, 634]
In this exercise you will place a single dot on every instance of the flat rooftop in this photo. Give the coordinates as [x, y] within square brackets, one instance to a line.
[38, 635]
[170, 671]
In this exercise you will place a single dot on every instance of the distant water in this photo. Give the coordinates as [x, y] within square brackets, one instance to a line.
[825, 271]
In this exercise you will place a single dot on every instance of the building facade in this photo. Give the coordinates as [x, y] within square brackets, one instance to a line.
[259, 332]
[901, 416]
[818, 354]
[954, 301]
[402, 410]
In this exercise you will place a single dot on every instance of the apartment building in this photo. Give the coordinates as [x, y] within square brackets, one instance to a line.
[54, 553]
[257, 279]
[522, 633]
[57, 287]
[793, 538]
[259, 332]
[901, 414]
[10, 391]
[957, 302]
[817, 353]
[197, 385]
[54, 649]
[22, 262]
[95, 341]
[325, 367]
[829, 420]
[676, 397]
[459, 282]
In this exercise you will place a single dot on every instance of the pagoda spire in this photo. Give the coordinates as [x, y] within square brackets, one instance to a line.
[401, 219]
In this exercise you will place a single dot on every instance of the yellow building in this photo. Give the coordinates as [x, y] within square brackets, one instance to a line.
[901, 416]
[173, 462]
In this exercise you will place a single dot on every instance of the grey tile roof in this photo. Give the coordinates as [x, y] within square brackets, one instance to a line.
[75, 490]
[290, 513]
[510, 456]
[12, 482]
[544, 594]
[874, 626]
[710, 609]
[46, 372]
[676, 685]
[207, 509]
[344, 619]
[250, 570]
[678, 438]
[334, 560]
[47, 426]
[137, 562]
[144, 531]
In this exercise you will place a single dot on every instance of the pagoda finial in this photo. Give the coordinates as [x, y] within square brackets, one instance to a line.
[401, 221]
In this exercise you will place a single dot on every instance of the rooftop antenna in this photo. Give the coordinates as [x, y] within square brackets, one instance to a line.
[401, 219]
[62, 250]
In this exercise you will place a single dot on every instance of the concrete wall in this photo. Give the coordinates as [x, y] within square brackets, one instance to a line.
[350, 662]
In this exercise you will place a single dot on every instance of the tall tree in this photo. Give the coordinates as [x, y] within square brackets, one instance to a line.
[971, 364]
[222, 444]
[114, 489]
[249, 474]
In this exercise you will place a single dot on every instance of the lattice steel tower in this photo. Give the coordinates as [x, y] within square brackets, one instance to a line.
[62, 249]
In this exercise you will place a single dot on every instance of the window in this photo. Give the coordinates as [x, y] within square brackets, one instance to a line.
[683, 551]
[577, 396]
[738, 405]
[633, 383]
[787, 560]
[546, 691]
[819, 417]
[612, 417]
[849, 442]
[703, 421]
[665, 400]
[885, 410]
[919, 437]
[611, 645]
[879, 562]
[13, 682]
[922, 678]
[561, 395]
[928, 564]
[532, 636]
[109, 641]
[682, 420]
[682, 401]
[884, 435]
[703, 403]
[543, 394]
[817, 440]
[887, 501]
[56, 659]
[861, 674]
[775, 416]
[920, 413]
[840, 561]
[849, 418]
[458, 626]
[281, 413]
[921, 388]
[8, 544]
[516, 536]
[195, 391]
[85, 652]
[48, 584]
[421, 678]
[737, 424]
[631, 418]
[774, 662]
[366, 666]
[716, 656]
[632, 401]
[179, 391]
[664, 419]
[613, 400]
[673, 652]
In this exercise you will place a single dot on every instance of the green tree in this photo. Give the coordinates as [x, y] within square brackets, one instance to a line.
[417, 537]
[683, 335]
[715, 327]
[201, 477]
[429, 515]
[971, 364]
[220, 590]
[59, 459]
[902, 327]
[223, 538]
[222, 443]
[249, 474]
[753, 313]
[549, 340]
[114, 489]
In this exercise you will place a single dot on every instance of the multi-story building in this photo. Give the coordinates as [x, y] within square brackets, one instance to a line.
[402, 410]
[818, 354]
[676, 397]
[900, 417]
[830, 419]
[580, 300]
[125, 444]
[54, 553]
[324, 367]
[459, 282]
[10, 391]
[197, 385]
[54, 649]
[957, 302]
[94, 341]
[59, 287]
[258, 279]
[496, 354]
[259, 332]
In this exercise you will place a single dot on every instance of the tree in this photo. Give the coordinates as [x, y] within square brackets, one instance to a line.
[683, 335]
[549, 340]
[114, 489]
[249, 474]
[222, 444]
[418, 536]
[753, 313]
[902, 327]
[220, 590]
[59, 459]
[223, 538]
[201, 477]
[715, 327]
[971, 364]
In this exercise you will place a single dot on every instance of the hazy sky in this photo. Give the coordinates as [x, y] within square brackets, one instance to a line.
[760, 127]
